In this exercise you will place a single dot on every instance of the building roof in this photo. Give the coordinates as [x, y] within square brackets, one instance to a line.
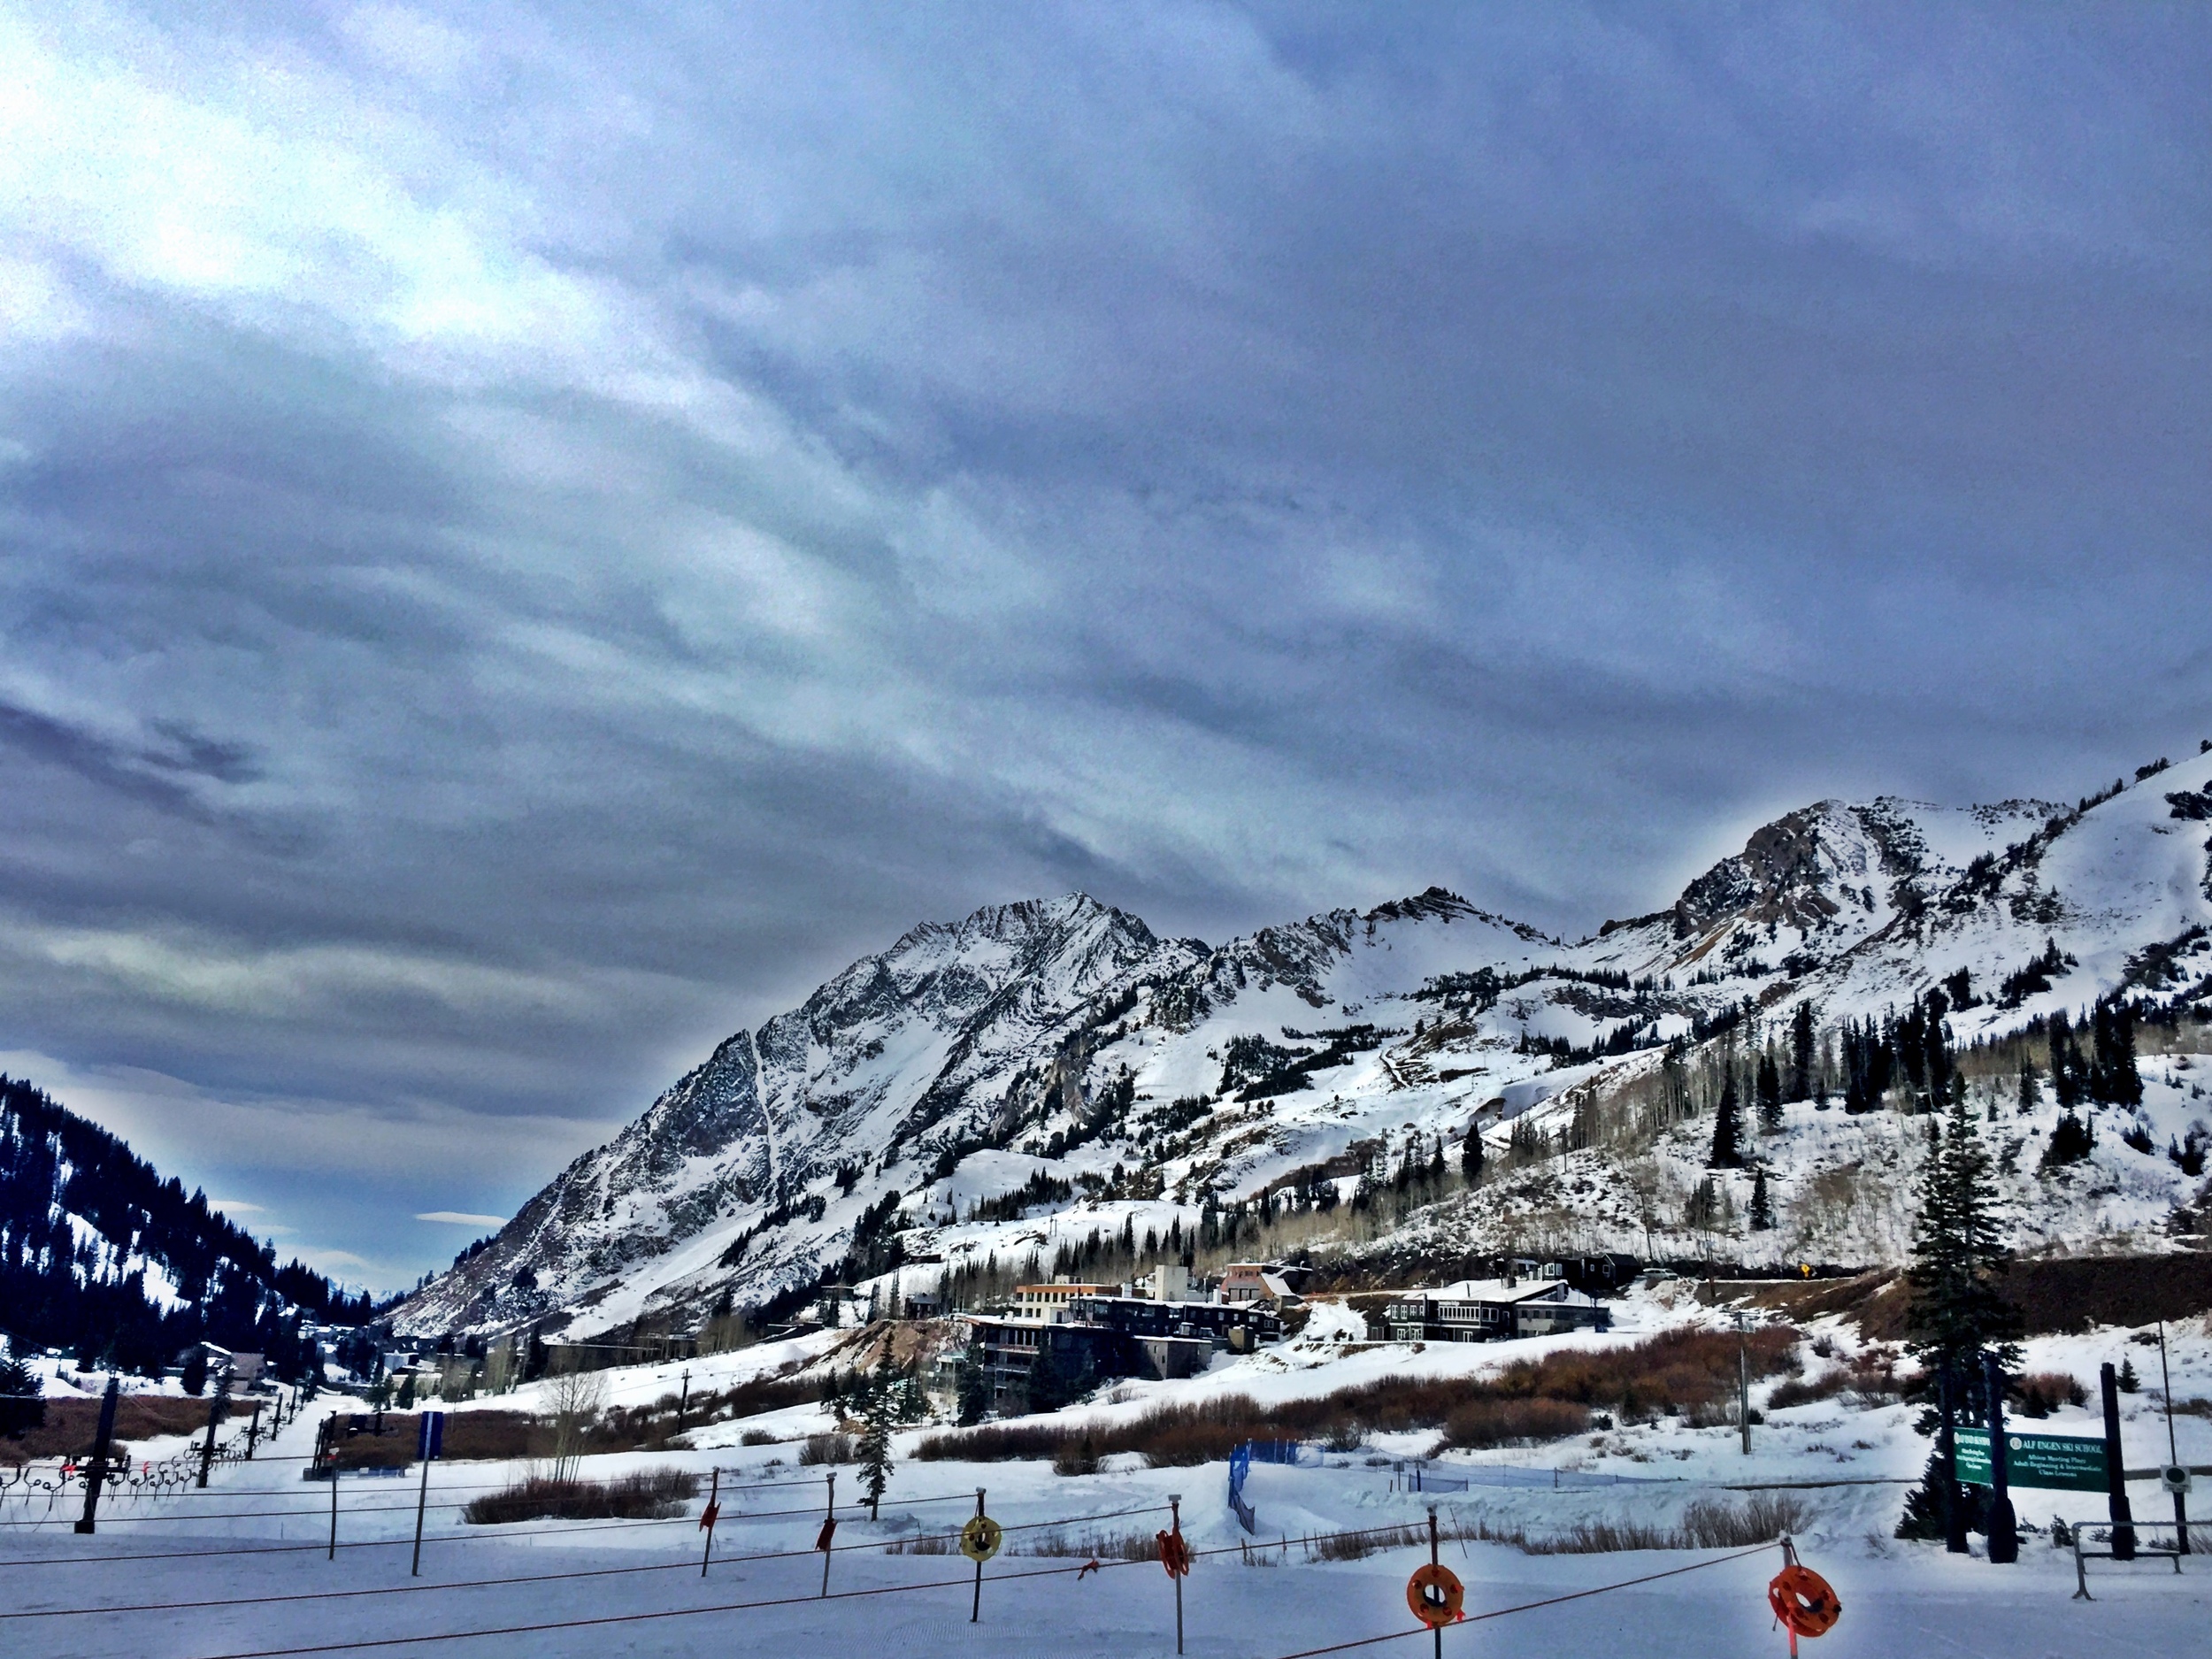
[1499, 1290]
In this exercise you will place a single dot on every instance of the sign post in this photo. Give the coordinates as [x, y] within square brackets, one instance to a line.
[2178, 1488]
[430, 1441]
[2004, 1531]
[1954, 1519]
[2116, 1475]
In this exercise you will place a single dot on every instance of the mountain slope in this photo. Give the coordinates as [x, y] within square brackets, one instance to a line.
[1040, 1071]
[99, 1254]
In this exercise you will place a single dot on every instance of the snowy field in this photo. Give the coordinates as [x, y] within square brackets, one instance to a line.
[252, 1548]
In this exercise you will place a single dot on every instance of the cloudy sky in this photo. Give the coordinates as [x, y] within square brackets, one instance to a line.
[530, 535]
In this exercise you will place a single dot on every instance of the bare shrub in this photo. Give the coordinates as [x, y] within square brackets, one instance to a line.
[756, 1437]
[826, 1448]
[1764, 1516]
[1692, 1369]
[1795, 1390]
[1076, 1457]
[1514, 1421]
[574, 1398]
[1092, 1546]
[2043, 1392]
[650, 1495]
[1599, 1537]
[1359, 1545]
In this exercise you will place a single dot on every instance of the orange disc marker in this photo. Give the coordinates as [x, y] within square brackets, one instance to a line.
[1436, 1595]
[1803, 1602]
[1174, 1553]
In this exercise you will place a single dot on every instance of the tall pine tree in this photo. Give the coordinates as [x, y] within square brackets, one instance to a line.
[1769, 1091]
[879, 1416]
[1727, 1129]
[1761, 1206]
[1471, 1154]
[1801, 1052]
[1957, 1312]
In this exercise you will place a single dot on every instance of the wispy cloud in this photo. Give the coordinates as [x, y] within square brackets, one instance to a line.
[462, 1218]
[484, 619]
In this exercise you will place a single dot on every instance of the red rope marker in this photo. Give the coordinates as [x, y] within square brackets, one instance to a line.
[1803, 1602]
[1174, 1552]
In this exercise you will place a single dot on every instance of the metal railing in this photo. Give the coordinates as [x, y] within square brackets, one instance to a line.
[2079, 1530]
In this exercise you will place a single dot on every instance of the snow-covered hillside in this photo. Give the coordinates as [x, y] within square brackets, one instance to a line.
[1059, 1059]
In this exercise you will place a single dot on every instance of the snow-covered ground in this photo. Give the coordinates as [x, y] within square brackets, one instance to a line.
[1259, 1596]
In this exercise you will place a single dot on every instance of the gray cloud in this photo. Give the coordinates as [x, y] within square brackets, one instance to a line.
[533, 538]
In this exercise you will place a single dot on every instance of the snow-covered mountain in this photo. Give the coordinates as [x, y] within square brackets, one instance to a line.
[1057, 1050]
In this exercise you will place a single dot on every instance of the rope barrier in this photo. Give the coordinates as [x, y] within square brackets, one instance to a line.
[887, 1545]
[1530, 1607]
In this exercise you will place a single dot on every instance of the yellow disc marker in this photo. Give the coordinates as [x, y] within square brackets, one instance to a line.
[979, 1539]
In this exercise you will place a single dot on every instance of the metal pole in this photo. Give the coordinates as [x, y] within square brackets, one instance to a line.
[207, 1451]
[714, 1504]
[96, 1476]
[2173, 1452]
[1175, 1508]
[975, 1609]
[2116, 1476]
[1948, 1462]
[331, 1554]
[1436, 1631]
[829, 1525]
[253, 1431]
[422, 1499]
[1743, 1385]
[2004, 1531]
[684, 1404]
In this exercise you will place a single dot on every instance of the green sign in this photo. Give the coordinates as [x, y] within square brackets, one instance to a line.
[2064, 1461]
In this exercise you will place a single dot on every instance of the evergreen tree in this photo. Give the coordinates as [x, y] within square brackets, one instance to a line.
[973, 1399]
[2070, 1143]
[1801, 1052]
[1957, 1312]
[2127, 1381]
[1761, 1207]
[1727, 1152]
[1703, 1213]
[2066, 1064]
[195, 1379]
[1922, 1519]
[2113, 1078]
[1769, 1091]
[2030, 1091]
[879, 1415]
[1471, 1154]
[22, 1405]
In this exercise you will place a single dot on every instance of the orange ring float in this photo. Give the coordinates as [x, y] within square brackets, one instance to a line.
[1174, 1553]
[1803, 1602]
[1435, 1596]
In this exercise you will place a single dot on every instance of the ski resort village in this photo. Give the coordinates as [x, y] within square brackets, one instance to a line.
[1819, 1264]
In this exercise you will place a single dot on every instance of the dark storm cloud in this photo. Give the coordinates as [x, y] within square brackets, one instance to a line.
[534, 535]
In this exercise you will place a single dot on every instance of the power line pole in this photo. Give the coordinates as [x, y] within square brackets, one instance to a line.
[96, 1476]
